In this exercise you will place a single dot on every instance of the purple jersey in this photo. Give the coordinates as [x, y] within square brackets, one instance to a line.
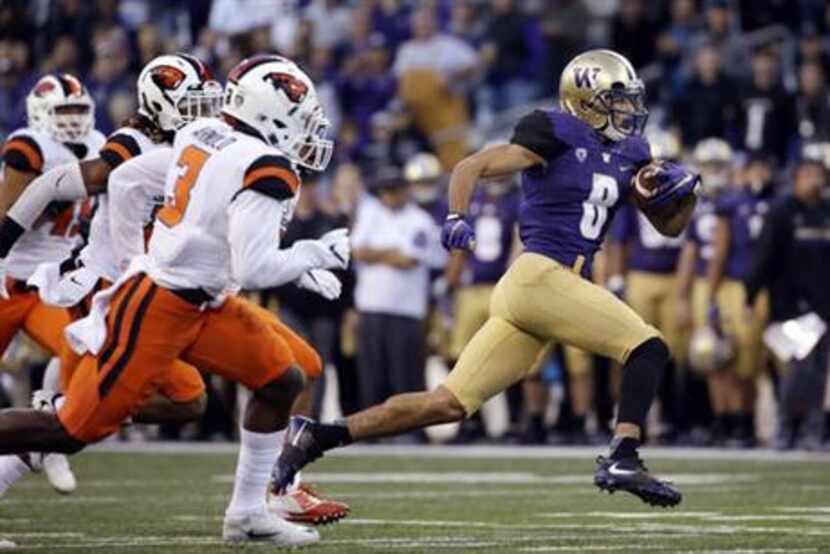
[701, 231]
[568, 202]
[745, 212]
[493, 217]
[648, 250]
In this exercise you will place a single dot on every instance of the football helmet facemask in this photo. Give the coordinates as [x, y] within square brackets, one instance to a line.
[276, 99]
[61, 107]
[175, 89]
[601, 88]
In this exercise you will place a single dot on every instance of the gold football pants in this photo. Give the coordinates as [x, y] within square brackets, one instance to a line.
[536, 301]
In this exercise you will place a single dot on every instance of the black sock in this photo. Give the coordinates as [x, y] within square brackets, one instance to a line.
[640, 379]
[333, 435]
[579, 423]
[536, 421]
[624, 447]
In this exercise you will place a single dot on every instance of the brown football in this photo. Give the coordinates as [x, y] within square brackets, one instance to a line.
[643, 184]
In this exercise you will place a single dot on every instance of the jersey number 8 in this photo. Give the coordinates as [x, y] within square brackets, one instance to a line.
[604, 194]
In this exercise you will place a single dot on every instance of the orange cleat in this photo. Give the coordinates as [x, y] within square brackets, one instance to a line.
[303, 504]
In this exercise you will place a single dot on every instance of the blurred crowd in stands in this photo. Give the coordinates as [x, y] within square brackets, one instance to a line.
[413, 86]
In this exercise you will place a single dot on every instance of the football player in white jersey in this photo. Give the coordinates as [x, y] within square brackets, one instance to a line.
[172, 91]
[228, 194]
[60, 117]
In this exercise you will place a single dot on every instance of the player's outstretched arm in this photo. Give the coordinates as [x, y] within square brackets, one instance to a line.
[257, 262]
[495, 161]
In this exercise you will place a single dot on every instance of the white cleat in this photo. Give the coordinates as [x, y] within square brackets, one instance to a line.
[55, 466]
[265, 527]
[58, 473]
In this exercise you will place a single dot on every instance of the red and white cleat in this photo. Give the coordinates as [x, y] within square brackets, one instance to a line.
[303, 504]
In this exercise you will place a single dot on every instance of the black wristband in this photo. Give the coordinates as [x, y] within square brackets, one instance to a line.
[10, 232]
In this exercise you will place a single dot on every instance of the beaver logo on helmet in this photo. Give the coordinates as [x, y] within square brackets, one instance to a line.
[168, 77]
[43, 88]
[293, 88]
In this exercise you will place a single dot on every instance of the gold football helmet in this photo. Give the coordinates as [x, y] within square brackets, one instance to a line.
[601, 88]
[710, 351]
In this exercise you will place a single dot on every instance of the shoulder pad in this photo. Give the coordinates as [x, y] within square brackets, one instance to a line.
[23, 152]
[121, 145]
[272, 175]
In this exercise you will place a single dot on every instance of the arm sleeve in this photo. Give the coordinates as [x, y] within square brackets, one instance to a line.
[535, 132]
[134, 188]
[23, 153]
[257, 262]
[119, 148]
[63, 183]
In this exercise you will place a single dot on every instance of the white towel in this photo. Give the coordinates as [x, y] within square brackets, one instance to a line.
[90, 333]
[63, 291]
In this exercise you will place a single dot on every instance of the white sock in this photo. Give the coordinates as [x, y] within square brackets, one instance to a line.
[257, 456]
[52, 375]
[12, 470]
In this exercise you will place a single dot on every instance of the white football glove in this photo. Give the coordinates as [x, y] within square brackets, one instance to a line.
[321, 281]
[337, 242]
[4, 294]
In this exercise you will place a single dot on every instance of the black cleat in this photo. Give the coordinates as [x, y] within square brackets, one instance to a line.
[301, 447]
[630, 475]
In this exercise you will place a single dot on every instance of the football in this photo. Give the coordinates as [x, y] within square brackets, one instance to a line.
[643, 185]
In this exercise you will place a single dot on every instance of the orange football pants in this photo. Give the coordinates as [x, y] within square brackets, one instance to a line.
[182, 382]
[24, 311]
[148, 329]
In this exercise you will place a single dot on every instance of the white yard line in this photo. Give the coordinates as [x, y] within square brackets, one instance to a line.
[477, 451]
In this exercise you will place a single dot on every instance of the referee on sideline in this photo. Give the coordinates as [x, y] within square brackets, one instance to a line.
[792, 261]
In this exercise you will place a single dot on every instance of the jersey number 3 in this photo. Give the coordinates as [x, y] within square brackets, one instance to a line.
[189, 165]
[604, 194]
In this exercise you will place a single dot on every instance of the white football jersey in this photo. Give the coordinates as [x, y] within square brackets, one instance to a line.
[54, 238]
[99, 255]
[190, 247]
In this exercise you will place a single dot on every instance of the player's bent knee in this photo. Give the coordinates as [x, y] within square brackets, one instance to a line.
[284, 389]
[654, 348]
[64, 443]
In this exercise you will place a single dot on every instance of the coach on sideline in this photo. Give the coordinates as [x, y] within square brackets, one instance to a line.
[792, 261]
[394, 244]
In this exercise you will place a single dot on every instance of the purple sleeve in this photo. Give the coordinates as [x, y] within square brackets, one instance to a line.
[726, 206]
[624, 224]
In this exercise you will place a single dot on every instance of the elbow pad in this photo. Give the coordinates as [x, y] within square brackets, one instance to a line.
[64, 183]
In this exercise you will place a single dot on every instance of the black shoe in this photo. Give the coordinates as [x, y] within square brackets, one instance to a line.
[630, 475]
[301, 447]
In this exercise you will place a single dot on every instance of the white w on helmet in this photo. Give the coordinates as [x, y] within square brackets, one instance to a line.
[175, 89]
[61, 107]
[275, 98]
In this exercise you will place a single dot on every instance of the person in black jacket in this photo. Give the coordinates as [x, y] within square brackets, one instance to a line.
[792, 261]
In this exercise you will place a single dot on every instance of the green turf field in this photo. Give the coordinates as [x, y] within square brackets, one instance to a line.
[433, 501]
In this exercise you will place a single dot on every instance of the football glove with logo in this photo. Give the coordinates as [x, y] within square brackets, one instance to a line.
[321, 281]
[337, 242]
[457, 234]
[673, 183]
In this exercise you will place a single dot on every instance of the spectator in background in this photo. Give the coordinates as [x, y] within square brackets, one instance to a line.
[109, 74]
[564, 26]
[330, 22]
[15, 83]
[365, 86]
[435, 72]
[792, 261]
[120, 107]
[721, 33]
[64, 58]
[634, 33]
[513, 53]
[150, 45]
[707, 104]
[766, 120]
[675, 42]
[394, 244]
[812, 104]
[465, 23]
